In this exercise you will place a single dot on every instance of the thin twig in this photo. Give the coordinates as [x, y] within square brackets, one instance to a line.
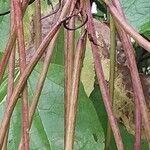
[78, 61]
[69, 63]
[22, 64]
[37, 23]
[7, 52]
[11, 72]
[54, 11]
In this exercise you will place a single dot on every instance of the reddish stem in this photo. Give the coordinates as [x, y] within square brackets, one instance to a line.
[22, 61]
[10, 44]
[138, 117]
[11, 73]
[37, 21]
[140, 103]
[101, 79]
[129, 29]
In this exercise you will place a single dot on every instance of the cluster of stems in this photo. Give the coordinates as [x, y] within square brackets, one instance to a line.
[74, 56]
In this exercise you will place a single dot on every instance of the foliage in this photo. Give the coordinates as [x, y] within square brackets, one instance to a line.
[47, 128]
[47, 131]
[136, 11]
[102, 115]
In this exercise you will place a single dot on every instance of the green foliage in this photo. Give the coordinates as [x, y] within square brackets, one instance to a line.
[145, 29]
[101, 10]
[142, 56]
[137, 12]
[3, 86]
[1, 54]
[47, 129]
[128, 139]
[4, 6]
[58, 54]
[4, 24]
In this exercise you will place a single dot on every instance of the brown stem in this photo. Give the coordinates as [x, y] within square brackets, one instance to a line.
[69, 63]
[42, 78]
[101, 79]
[37, 21]
[78, 61]
[137, 87]
[22, 63]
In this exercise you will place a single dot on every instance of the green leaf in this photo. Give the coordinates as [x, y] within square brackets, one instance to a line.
[128, 139]
[47, 129]
[4, 83]
[88, 73]
[4, 31]
[58, 54]
[1, 55]
[4, 24]
[4, 5]
[137, 12]
[145, 29]
[3, 89]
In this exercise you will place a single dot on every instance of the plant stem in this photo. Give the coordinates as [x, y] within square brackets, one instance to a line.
[37, 23]
[112, 76]
[101, 79]
[6, 55]
[40, 82]
[22, 63]
[23, 79]
[11, 69]
[132, 63]
[69, 65]
[11, 72]
[78, 61]
[28, 70]
[10, 45]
